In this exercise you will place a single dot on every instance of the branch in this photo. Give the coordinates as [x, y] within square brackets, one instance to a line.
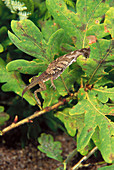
[36, 114]
[79, 164]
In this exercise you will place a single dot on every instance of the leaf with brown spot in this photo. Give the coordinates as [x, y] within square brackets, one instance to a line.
[28, 38]
[13, 82]
[80, 21]
[72, 123]
[27, 67]
[95, 117]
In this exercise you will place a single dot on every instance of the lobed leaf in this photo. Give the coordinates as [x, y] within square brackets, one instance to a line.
[50, 96]
[54, 44]
[103, 93]
[95, 66]
[77, 24]
[94, 117]
[13, 82]
[27, 67]
[3, 116]
[48, 28]
[28, 38]
[109, 21]
[71, 122]
[51, 148]
[90, 11]
[65, 18]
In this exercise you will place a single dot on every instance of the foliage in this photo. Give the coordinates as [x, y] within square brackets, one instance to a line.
[111, 167]
[3, 116]
[90, 114]
[48, 146]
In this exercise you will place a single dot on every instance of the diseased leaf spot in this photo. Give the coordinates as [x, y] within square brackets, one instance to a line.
[84, 9]
[72, 124]
[19, 68]
[89, 130]
[105, 29]
[109, 126]
[111, 156]
[66, 118]
[97, 21]
[92, 39]
[45, 94]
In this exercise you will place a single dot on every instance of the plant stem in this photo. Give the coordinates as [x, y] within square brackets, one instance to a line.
[36, 114]
[79, 164]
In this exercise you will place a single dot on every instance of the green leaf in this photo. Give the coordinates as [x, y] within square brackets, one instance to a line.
[3, 32]
[98, 30]
[54, 44]
[1, 108]
[109, 21]
[105, 142]
[28, 38]
[70, 3]
[76, 24]
[95, 66]
[51, 26]
[4, 40]
[91, 10]
[52, 48]
[103, 93]
[1, 48]
[3, 116]
[95, 116]
[50, 96]
[65, 18]
[13, 83]
[69, 76]
[51, 148]
[110, 167]
[27, 67]
[71, 122]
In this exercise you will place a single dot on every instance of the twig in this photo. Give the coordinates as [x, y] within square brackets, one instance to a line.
[36, 114]
[79, 164]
